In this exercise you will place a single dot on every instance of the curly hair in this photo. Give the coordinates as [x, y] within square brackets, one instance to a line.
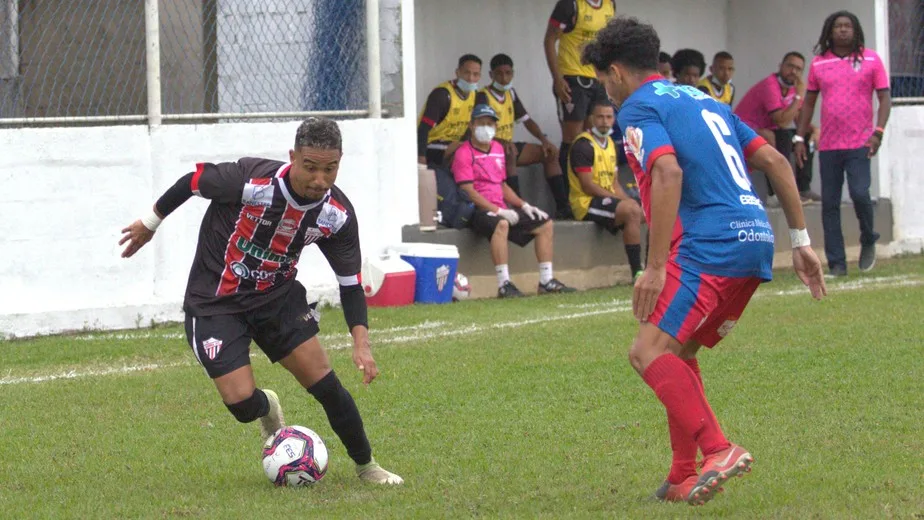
[687, 58]
[826, 43]
[319, 132]
[624, 40]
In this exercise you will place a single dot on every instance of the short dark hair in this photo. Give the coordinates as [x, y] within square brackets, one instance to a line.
[796, 54]
[468, 57]
[319, 132]
[687, 58]
[499, 60]
[624, 40]
[602, 103]
[722, 55]
[664, 57]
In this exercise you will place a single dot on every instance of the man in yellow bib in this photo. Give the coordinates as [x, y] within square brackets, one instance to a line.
[596, 194]
[718, 84]
[501, 96]
[446, 114]
[573, 24]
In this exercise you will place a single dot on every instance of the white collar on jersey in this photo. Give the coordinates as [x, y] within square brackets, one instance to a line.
[285, 191]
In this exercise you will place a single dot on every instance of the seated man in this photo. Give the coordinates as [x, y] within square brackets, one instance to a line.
[480, 169]
[596, 194]
[664, 65]
[688, 66]
[718, 84]
[501, 96]
[446, 113]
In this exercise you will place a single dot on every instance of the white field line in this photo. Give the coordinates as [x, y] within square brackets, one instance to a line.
[424, 331]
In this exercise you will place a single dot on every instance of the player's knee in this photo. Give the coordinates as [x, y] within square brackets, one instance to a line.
[502, 227]
[250, 409]
[636, 357]
[636, 214]
[548, 228]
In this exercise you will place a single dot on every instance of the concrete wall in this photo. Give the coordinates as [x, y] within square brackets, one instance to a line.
[447, 29]
[71, 191]
[905, 139]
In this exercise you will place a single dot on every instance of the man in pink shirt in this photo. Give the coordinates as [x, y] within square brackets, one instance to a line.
[846, 74]
[771, 108]
[480, 169]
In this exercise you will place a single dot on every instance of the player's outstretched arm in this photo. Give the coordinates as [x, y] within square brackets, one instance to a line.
[780, 174]
[666, 183]
[141, 231]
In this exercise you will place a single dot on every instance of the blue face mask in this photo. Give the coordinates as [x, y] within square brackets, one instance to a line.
[504, 88]
[465, 86]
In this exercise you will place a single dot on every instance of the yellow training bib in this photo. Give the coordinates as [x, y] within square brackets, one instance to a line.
[504, 109]
[725, 96]
[588, 21]
[454, 125]
[604, 174]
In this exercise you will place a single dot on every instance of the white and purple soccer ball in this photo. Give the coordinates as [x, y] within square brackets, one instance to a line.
[294, 456]
[461, 290]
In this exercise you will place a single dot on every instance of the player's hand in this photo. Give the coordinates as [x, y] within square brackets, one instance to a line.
[533, 212]
[549, 150]
[137, 236]
[798, 149]
[648, 288]
[800, 87]
[562, 90]
[873, 143]
[362, 357]
[808, 268]
[509, 215]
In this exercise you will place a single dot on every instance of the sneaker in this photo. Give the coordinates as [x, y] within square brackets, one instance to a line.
[508, 290]
[836, 271]
[676, 492]
[272, 421]
[811, 196]
[773, 202]
[554, 286]
[376, 474]
[867, 257]
[717, 469]
[805, 200]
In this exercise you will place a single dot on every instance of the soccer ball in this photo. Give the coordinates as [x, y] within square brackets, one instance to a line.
[461, 290]
[294, 456]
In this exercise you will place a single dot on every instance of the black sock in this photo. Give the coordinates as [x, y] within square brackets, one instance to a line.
[634, 252]
[563, 157]
[514, 182]
[559, 192]
[343, 416]
[250, 409]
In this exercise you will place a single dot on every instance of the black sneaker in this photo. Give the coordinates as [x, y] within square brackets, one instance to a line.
[867, 257]
[554, 286]
[508, 290]
[836, 271]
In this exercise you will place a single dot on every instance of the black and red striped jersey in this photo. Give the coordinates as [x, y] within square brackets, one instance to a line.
[254, 231]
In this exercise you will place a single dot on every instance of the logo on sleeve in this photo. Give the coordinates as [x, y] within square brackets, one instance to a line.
[632, 141]
[333, 216]
[258, 194]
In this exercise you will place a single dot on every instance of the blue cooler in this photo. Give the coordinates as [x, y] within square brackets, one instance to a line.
[435, 265]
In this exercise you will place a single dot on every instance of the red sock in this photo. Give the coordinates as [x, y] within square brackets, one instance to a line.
[678, 389]
[693, 363]
[683, 448]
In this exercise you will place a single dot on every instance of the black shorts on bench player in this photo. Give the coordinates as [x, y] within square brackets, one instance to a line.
[242, 284]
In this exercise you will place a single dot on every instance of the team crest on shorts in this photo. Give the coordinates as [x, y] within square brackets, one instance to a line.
[633, 143]
[211, 347]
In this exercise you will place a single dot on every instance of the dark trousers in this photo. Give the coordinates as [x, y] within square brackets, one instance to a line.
[804, 174]
[834, 163]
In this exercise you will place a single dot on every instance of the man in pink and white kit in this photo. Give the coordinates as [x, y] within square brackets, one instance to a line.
[846, 74]
[480, 169]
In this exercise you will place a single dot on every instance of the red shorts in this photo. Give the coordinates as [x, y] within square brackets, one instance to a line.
[701, 307]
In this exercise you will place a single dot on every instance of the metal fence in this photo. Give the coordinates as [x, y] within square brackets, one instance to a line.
[906, 50]
[154, 61]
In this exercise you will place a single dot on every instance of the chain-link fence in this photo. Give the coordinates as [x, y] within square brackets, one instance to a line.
[906, 49]
[219, 59]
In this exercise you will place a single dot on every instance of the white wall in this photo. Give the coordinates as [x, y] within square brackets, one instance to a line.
[447, 29]
[71, 191]
[905, 139]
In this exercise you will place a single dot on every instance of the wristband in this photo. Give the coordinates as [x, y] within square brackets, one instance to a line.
[880, 129]
[798, 139]
[151, 221]
[799, 238]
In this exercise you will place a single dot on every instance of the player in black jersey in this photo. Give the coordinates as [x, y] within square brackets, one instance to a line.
[242, 283]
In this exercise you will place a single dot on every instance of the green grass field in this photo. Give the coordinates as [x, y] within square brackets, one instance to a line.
[492, 409]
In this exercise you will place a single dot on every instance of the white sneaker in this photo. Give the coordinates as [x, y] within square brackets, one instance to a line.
[273, 420]
[374, 473]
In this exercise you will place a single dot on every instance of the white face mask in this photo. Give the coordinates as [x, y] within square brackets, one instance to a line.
[600, 134]
[484, 134]
[465, 86]
[505, 88]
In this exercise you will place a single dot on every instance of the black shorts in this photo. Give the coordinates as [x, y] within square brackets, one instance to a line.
[603, 212]
[222, 342]
[585, 93]
[520, 145]
[521, 234]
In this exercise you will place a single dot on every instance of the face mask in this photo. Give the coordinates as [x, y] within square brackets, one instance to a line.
[505, 88]
[465, 86]
[600, 134]
[484, 134]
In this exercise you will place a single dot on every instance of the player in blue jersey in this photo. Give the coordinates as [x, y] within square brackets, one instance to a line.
[711, 244]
